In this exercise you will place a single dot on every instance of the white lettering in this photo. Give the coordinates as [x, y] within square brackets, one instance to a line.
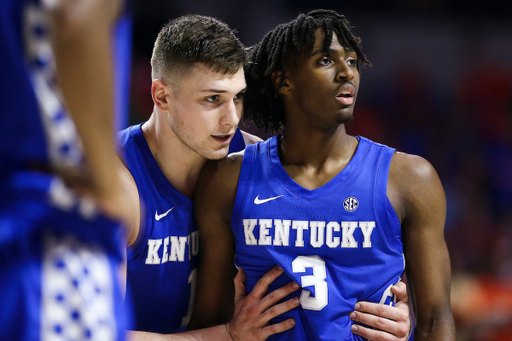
[331, 241]
[165, 257]
[367, 228]
[249, 225]
[317, 233]
[177, 249]
[300, 226]
[282, 232]
[153, 246]
[265, 239]
[348, 231]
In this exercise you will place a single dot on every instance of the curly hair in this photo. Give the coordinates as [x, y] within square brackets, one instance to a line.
[262, 105]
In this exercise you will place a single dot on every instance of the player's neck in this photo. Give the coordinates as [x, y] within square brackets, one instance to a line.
[319, 147]
[314, 161]
[177, 162]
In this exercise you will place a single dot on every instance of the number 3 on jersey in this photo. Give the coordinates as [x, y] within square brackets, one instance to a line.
[317, 280]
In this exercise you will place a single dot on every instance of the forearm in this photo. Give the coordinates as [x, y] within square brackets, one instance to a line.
[217, 333]
[81, 40]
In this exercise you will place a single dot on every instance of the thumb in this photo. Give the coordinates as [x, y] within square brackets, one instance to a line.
[400, 290]
[240, 290]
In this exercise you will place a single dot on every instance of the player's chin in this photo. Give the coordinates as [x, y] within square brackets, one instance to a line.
[218, 154]
[345, 117]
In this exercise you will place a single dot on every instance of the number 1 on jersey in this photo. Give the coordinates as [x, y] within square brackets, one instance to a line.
[320, 300]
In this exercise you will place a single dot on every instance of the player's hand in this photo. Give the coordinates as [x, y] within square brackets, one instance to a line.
[254, 311]
[391, 323]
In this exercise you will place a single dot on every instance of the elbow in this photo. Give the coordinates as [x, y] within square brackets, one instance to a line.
[435, 326]
[71, 19]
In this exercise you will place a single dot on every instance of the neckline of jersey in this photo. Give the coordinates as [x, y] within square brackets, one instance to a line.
[337, 181]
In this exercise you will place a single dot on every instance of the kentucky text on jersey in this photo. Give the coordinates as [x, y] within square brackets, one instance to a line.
[173, 249]
[333, 234]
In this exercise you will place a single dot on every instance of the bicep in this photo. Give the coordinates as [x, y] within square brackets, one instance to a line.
[428, 263]
[214, 198]
[131, 193]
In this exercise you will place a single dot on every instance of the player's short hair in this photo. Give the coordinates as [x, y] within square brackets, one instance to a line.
[191, 39]
[262, 105]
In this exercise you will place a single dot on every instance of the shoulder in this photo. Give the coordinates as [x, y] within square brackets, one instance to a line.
[223, 172]
[413, 184]
[413, 170]
[216, 188]
[250, 138]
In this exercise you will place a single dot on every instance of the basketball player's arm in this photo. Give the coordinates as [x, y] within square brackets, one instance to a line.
[81, 44]
[417, 195]
[214, 200]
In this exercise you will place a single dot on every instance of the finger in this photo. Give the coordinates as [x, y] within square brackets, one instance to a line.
[398, 329]
[400, 290]
[278, 294]
[278, 328]
[279, 309]
[374, 335]
[240, 289]
[398, 313]
[261, 286]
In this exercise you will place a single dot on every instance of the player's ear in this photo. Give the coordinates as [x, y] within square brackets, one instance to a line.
[159, 92]
[276, 82]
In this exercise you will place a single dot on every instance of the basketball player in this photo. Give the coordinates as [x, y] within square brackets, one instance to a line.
[198, 86]
[61, 203]
[335, 212]
[197, 67]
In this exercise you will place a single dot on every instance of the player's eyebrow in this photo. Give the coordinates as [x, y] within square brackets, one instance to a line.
[330, 51]
[214, 90]
[220, 91]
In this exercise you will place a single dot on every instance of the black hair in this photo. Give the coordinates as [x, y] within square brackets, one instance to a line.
[262, 105]
[191, 39]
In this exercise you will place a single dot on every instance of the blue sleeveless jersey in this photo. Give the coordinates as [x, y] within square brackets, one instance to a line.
[341, 242]
[162, 263]
[59, 256]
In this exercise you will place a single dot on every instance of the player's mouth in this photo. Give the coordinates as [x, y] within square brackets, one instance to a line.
[223, 138]
[346, 95]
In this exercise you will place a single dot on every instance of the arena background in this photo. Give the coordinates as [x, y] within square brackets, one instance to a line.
[440, 87]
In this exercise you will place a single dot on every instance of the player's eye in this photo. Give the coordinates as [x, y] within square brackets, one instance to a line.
[212, 99]
[352, 61]
[324, 61]
[240, 95]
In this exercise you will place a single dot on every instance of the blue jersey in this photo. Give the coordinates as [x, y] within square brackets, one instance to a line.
[341, 242]
[162, 262]
[237, 142]
[59, 256]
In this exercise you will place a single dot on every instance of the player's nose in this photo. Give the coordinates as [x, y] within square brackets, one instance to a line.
[231, 114]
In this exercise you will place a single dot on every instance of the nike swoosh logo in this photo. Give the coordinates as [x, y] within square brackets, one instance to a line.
[160, 216]
[259, 201]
